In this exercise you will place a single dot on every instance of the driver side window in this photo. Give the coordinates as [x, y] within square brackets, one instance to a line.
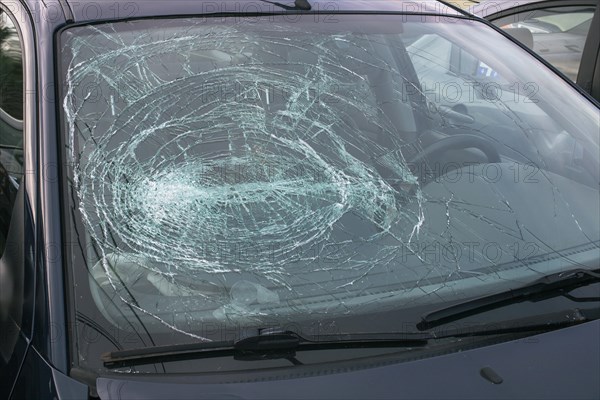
[11, 122]
[558, 34]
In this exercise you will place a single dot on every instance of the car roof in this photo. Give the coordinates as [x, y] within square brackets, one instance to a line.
[84, 10]
[489, 8]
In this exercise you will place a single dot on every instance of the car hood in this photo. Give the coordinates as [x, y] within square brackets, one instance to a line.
[559, 364]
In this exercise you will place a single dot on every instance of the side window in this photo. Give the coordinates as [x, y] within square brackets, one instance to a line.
[11, 122]
[16, 264]
[559, 34]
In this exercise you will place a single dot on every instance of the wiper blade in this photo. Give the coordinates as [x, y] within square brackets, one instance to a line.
[277, 345]
[284, 344]
[549, 286]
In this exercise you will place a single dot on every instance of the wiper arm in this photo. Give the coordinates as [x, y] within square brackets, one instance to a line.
[302, 5]
[549, 286]
[269, 346]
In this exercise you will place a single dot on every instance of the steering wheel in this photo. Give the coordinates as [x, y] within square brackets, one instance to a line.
[458, 142]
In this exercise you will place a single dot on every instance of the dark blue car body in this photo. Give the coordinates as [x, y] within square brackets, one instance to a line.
[559, 364]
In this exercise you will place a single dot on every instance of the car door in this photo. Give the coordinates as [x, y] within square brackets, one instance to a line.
[555, 30]
[589, 70]
[16, 232]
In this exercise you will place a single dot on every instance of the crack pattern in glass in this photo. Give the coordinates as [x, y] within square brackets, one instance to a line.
[255, 157]
[266, 175]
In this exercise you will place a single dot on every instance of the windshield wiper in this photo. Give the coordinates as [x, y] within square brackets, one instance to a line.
[302, 5]
[549, 286]
[274, 344]
[264, 346]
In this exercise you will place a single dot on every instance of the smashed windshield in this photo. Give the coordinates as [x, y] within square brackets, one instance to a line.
[224, 172]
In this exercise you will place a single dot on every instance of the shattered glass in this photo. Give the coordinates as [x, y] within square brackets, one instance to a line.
[223, 170]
